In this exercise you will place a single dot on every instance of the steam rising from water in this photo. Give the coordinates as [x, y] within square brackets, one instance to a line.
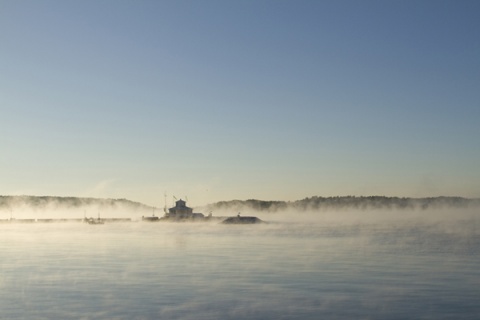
[26, 207]
[330, 264]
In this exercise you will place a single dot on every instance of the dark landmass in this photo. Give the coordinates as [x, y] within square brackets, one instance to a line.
[50, 202]
[242, 220]
[346, 202]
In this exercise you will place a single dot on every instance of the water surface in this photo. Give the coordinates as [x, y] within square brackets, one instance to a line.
[289, 269]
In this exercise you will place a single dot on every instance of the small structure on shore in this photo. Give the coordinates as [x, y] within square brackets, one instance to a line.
[182, 212]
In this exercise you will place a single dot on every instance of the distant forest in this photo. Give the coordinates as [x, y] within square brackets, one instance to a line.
[311, 203]
[48, 202]
[346, 202]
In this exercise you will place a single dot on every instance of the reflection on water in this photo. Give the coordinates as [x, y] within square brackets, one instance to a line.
[327, 270]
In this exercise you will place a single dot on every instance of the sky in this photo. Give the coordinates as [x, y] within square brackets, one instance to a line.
[221, 100]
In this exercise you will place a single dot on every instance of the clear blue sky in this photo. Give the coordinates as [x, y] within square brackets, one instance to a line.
[221, 100]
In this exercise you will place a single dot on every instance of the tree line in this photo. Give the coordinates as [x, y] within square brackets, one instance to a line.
[346, 202]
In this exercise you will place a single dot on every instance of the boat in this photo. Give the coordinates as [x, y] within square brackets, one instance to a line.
[150, 219]
[93, 220]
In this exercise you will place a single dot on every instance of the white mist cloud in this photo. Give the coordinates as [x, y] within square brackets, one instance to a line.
[102, 189]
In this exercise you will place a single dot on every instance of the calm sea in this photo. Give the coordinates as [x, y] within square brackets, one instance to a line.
[316, 266]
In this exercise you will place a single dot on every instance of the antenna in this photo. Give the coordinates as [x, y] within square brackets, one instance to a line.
[165, 203]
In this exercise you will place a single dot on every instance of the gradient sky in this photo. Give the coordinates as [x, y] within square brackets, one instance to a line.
[222, 100]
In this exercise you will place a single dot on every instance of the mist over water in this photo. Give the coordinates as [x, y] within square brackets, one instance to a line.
[339, 264]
